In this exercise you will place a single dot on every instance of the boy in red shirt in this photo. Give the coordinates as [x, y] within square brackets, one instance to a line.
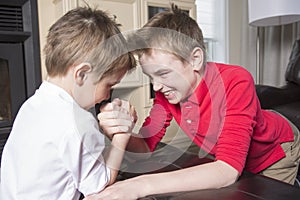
[214, 104]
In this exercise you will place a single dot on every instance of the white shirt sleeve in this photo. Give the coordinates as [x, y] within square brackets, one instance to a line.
[81, 151]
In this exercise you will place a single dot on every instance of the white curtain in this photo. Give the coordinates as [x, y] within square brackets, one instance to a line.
[275, 48]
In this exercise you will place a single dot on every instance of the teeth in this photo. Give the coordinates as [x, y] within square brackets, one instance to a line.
[169, 92]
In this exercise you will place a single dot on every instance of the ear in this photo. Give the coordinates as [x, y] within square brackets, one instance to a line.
[197, 58]
[81, 72]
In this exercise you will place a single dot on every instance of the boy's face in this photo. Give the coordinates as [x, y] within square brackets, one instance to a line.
[92, 93]
[175, 79]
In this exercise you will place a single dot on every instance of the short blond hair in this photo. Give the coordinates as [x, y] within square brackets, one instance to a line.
[172, 30]
[86, 35]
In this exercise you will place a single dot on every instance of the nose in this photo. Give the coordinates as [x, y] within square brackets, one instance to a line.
[156, 86]
[108, 95]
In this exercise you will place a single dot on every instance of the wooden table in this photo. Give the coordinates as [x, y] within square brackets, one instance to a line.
[248, 187]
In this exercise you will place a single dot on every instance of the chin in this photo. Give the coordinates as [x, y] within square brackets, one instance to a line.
[174, 101]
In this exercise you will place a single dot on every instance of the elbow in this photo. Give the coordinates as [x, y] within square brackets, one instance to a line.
[230, 180]
[227, 181]
[110, 182]
[228, 174]
[111, 177]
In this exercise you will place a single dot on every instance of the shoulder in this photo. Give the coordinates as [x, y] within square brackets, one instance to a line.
[231, 75]
[85, 119]
[234, 72]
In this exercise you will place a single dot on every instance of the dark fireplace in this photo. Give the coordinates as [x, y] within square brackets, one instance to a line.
[20, 70]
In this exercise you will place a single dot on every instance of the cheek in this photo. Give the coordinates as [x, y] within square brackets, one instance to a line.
[174, 80]
[107, 93]
[102, 93]
[182, 85]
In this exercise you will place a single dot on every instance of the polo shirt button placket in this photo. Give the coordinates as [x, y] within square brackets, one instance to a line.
[188, 106]
[187, 112]
[191, 126]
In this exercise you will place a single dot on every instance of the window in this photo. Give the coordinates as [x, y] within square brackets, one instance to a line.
[212, 19]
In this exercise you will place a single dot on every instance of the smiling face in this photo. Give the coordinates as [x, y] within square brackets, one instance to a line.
[169, 75]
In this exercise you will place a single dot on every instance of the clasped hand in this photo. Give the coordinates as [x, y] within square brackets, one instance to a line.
[117, 117]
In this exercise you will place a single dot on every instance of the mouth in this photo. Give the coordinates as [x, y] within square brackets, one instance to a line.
[169, 94]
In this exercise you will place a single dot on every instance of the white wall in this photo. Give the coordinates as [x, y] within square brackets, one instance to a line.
[235, 13]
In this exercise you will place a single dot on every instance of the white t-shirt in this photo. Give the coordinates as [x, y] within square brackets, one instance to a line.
[53, 151]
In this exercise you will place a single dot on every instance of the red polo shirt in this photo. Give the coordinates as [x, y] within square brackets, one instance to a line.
[223, 117]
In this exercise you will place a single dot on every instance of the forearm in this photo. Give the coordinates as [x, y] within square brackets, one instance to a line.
[206, 176]
[137, 149]
[137, 144]
[115, 154]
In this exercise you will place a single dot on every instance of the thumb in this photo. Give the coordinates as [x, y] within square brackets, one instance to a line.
[117, 102]
[111, 106]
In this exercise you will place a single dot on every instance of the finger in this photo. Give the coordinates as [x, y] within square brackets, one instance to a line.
[125, 105]
[106, 115]
[114, 105]
[117, 129]
[117, 102]
[130, 109]
[115, 122]
[106, 107]
[133, 114]
[113, 115]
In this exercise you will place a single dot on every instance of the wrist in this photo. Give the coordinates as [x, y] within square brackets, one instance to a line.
[121, 140]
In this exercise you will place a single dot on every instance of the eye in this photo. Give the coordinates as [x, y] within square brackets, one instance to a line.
[163, 74]
[113, 83]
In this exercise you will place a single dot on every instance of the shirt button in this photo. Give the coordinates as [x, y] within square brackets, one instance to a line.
[188, 121]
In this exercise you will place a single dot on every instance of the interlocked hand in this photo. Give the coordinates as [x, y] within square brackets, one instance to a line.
[117, 117]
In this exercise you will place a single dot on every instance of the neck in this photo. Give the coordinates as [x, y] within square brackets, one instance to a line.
[198, 79]
[62, 82]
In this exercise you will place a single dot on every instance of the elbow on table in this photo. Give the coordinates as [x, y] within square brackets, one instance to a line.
[228, 174]
[231, 180]
[227, 181]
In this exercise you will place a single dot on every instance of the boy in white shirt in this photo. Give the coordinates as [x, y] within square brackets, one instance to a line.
[55, 148]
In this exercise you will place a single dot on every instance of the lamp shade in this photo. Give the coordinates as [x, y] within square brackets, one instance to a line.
[273, 12]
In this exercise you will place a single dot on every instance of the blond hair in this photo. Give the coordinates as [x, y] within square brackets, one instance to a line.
[86, 35]
[172, 30]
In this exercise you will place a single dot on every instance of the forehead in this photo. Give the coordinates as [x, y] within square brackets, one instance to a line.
[113, 77]
[158, 59]
[155, 55]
